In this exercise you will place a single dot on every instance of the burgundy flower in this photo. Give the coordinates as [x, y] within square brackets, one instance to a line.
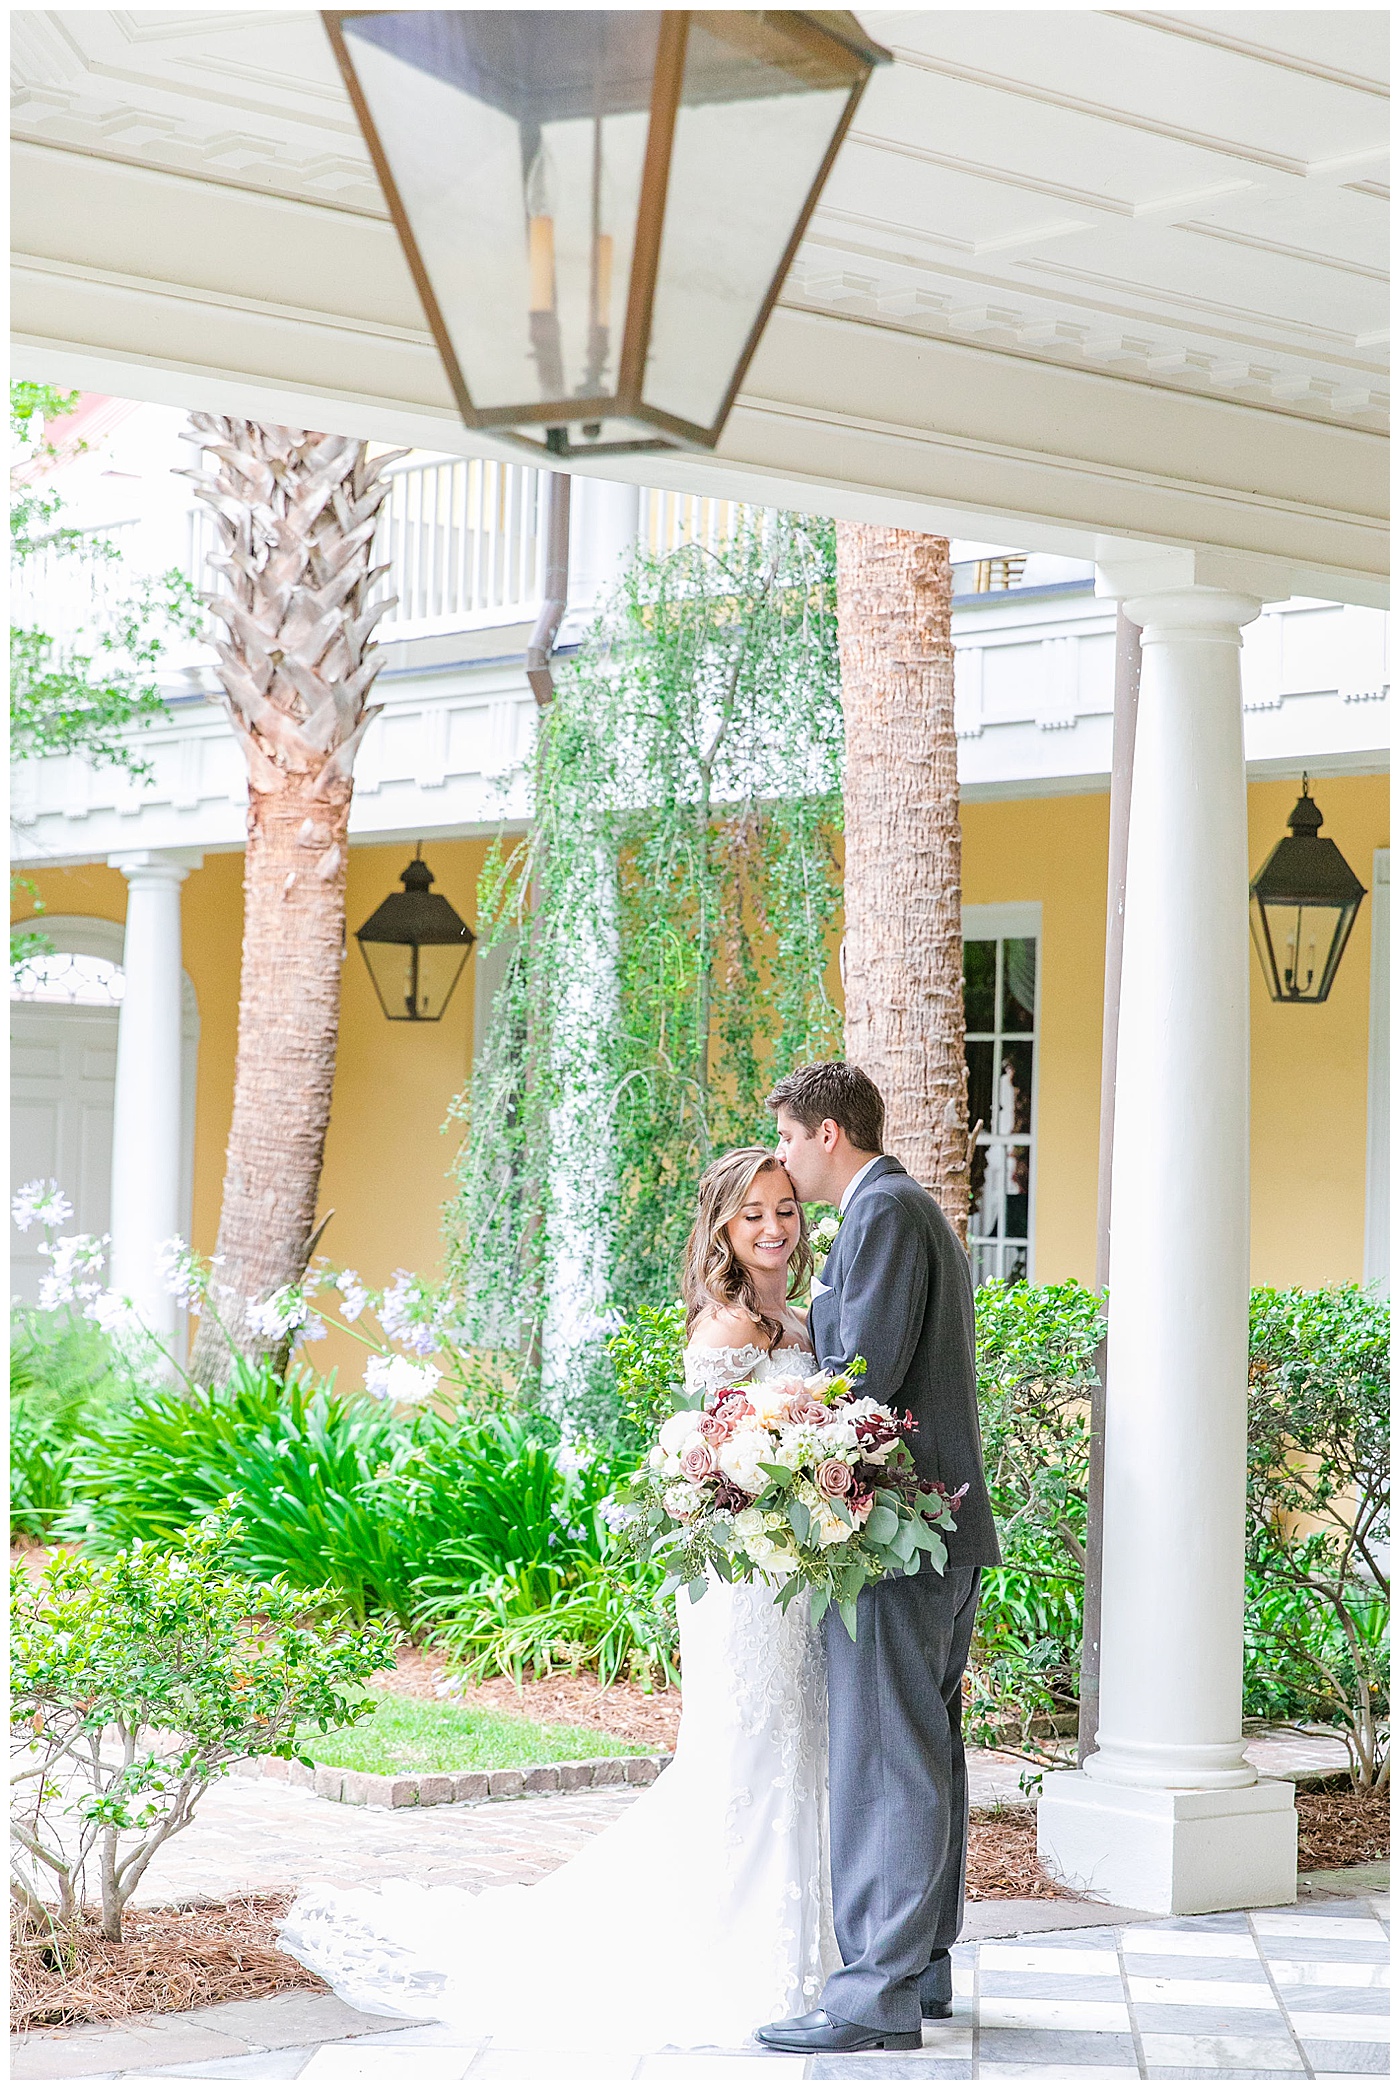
[730, 1498]
[861, 1501]
[834, 1478]
[697, 1463]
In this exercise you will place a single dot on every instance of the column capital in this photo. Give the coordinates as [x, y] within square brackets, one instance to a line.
[156, 866]
[1136, 571]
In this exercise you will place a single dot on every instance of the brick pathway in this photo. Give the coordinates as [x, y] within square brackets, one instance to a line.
[256, 1835]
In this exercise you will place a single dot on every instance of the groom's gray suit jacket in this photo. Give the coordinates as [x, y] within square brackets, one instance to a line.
[899, 1294]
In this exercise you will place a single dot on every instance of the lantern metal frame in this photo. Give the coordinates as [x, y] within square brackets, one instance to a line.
[433, 923]
[833, 34]
[1304, 870]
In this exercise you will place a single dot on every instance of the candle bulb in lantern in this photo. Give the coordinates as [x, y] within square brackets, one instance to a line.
[541, 264]
[603, 263]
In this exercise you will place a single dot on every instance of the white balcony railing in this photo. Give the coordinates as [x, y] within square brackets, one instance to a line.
[71, 590]
[464, 543]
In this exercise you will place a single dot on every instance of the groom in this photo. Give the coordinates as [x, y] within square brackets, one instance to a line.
[896, 1290]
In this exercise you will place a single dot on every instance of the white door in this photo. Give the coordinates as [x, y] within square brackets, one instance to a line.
[63, 1064]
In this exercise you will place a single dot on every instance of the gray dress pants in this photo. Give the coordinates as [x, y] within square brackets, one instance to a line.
[898, 1790]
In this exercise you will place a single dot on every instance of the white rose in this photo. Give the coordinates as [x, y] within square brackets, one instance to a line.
[656, 1458]
[838, 1437]
[739, 1460]
[676, 1428]
[748, 1525]
[831, 1531]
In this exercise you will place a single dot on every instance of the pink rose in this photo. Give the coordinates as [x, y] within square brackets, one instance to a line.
[697, 1463]
[834, 1478]
[809, 1410]
[732, 1406]
[715, 1429]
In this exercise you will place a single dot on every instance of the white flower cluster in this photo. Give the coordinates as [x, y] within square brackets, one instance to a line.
[407, 1316]
[181, 1272]
[74, 1279]
[354, 1298]
[397, 1379]
[285, 1315]
[39, 1203]
[823, 1234]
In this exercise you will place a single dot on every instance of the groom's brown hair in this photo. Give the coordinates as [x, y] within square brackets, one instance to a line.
[834, 1089]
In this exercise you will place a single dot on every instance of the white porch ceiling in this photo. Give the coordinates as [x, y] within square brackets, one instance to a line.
[1076, 275]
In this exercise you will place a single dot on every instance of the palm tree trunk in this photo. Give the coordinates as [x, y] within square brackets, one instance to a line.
[903, 884]
[297, 514]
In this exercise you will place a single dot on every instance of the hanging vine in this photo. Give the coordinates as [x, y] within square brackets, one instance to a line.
[671, 920]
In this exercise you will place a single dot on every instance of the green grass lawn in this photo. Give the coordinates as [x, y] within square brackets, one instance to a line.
[416, 1734]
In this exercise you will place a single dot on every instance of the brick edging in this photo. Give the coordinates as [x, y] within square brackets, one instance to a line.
[454, 1788]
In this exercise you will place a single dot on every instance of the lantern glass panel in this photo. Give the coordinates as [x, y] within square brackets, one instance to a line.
[1300, 946]
[414, 982]
[758, 112]
[516, 142]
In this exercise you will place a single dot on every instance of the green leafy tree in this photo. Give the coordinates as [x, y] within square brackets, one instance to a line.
[78, 699]
[135, 1683]
[687, 800]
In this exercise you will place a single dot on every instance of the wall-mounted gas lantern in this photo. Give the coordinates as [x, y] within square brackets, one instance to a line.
[415, 945]
[1302, 907]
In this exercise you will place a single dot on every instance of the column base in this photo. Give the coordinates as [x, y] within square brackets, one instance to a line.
[1173, 1853]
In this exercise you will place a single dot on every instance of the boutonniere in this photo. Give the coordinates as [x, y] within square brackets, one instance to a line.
[823, 1237]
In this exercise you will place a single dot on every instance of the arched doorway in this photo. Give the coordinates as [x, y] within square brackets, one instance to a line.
[64, 1010]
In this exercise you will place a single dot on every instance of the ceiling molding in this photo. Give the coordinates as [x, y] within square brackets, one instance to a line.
[1195, 31]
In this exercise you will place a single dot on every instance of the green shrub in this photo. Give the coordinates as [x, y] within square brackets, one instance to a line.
[62, 1378]
[1318, 1515]
[297, 1458]
[516, 1568]
[139, 1680]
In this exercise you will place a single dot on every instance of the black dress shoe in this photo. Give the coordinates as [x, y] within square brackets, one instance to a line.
[816, 2033]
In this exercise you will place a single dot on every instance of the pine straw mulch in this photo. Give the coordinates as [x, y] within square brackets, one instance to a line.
[169, 1959]
[1001, 1860]
[1338, 1827]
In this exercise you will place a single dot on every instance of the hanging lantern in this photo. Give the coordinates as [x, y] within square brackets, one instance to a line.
[415, 946]
[1302, 906]
[599, 208]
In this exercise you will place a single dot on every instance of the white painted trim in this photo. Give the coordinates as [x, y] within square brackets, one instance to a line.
[1002, 918]
[1376, 1264]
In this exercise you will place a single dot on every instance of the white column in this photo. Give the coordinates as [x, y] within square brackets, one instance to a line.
[147, 1113]
[1167, 1814]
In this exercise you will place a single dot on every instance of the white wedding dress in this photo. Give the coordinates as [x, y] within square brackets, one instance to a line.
[703, 1911]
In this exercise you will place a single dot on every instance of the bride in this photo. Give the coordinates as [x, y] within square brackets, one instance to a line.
[705, 1908]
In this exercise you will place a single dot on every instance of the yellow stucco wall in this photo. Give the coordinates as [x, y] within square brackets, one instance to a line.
[388, 1156]
[1308, 1066]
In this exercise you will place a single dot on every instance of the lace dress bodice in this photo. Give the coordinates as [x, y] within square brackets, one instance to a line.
[702, 1911]
[708, 1369]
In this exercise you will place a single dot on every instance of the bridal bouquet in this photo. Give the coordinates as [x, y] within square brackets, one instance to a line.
[800, 1481]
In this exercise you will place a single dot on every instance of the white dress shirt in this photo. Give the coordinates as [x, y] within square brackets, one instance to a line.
[859, 1177]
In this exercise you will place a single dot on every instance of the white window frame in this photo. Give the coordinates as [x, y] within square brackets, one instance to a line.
[1376, 1259]
[980, 924]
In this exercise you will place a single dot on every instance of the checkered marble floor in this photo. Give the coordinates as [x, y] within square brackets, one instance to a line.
[1293, 1993]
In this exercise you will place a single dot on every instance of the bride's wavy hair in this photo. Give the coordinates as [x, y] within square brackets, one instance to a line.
[712, 1274]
